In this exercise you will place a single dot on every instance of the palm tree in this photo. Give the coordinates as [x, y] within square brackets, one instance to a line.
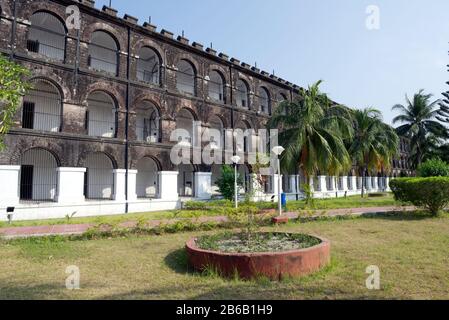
[374, 144]
[420, 121]
[313, 130]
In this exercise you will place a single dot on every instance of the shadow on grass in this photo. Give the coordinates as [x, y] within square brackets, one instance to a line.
[178, 262]
[399, 216]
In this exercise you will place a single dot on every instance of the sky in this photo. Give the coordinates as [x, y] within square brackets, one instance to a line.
[307, 40]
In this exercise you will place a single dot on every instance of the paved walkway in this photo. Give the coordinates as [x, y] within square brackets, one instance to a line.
[77, 229]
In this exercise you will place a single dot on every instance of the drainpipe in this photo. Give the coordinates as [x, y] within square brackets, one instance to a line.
[128, 84]
[13, 33]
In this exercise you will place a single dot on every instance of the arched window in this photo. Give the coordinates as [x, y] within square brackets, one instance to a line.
[38, 176]
[103, 53]
[264, 101]
[185, 78]
[216, 87]
[242, 94]
[147, 178]
[148, 66]
[148, 123]
[282, 98]
[185, 126]
[42, 107]
[243, 141]
[99, 177]
[47, 36]
[216, 132]
[101, 117]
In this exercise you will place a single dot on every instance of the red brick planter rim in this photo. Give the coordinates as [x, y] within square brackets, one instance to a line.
[191, 245]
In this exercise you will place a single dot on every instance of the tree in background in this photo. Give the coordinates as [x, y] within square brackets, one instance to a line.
[374, 144]
[420, 123]
[12, 88]
[226, 182]
[312, 131]
[433, 168]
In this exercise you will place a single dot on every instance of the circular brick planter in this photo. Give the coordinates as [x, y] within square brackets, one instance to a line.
[273, 265]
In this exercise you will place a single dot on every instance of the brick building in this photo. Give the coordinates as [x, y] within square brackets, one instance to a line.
[94, 134]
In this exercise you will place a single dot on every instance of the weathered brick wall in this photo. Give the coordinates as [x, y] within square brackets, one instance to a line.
[72, 143]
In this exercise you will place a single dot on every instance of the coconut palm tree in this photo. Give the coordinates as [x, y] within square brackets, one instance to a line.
[312, 130]
[419, 120]
[374, 144]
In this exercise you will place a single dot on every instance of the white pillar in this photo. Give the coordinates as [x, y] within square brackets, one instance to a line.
[322, 183]
[132, 180]
[119, 184]
[168, 185]
[387, 184]
[70, 185]
[375, 183]
[294, 182]
[333, 187]
[9, 186]
[344, 183]
[353, 183]
[203, 185]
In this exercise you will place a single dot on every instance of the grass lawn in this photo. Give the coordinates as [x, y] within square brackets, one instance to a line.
[410, 250]
[320, 204]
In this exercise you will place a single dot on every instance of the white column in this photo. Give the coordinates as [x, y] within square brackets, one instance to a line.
[312, 185]
[322, 183]
[203, 185]
[168, 185]
[387, 184]
[353, 183]
[375, 183]
[344, 183]
[360, 182]
[132, 180]
[119, 184]
[9, 185]
[333, 187]
[70, 185]
[294, 182]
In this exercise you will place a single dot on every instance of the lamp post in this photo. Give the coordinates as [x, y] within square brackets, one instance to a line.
[278, 151]
[236, 159]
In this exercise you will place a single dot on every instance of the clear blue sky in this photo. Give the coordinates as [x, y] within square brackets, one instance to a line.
[308, 40]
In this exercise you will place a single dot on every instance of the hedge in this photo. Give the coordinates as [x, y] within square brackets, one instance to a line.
[429, 193]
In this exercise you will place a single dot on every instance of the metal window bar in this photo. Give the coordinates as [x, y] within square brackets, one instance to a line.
[188, 86]
[105, 59]
[95, 186]
[216, 95]
[242, 98]
[46, 42]
[149, 131]
[41, 110]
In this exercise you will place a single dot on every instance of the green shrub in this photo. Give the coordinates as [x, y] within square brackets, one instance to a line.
[226, 182]
[433, 168]
[429, 193]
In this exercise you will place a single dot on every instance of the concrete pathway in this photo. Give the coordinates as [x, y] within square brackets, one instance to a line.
[77, 229]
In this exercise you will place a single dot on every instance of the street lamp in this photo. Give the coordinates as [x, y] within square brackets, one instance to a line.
[278, 151]
[236, 159]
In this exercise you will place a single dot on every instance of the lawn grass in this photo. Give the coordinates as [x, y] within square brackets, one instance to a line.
[320, 204]
[410, 250]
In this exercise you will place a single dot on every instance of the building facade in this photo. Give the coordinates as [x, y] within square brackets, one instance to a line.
[95, 133]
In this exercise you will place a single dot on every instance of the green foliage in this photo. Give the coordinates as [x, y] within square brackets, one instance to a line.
[308, 194]
[226, 182]
[208, 205]
[12, 88]
[429, 193]
[433, 168]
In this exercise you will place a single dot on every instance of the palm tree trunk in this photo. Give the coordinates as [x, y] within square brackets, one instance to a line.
[363, 182]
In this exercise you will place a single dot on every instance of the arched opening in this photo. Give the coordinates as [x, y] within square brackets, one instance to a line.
[264, 101]
[47, 36]
[38, 176]
[42, 107]
[101, 115]
[148, 123]
[185, 78]
[243, 141]
[282, 98]
[185, 125]
[149, 66]
[99, 177]
[216, 132]
[216, 87]
[103, 53]
[147, 178]
[186, 180]
[242, 94]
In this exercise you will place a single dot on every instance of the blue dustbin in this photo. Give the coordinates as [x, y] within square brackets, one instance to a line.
[284, 200]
